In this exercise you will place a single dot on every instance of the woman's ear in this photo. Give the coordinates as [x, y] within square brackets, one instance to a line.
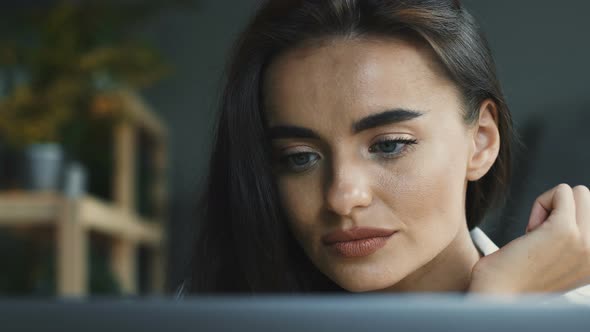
[485, 138]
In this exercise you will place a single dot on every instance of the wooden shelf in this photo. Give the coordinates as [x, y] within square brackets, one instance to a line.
[140, 113]
[29, 209]
[26, 210]
[111, 220]
[73, 220]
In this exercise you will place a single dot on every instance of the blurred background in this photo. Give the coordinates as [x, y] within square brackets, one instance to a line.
[106, 113]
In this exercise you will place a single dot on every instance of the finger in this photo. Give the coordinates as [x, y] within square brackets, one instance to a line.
[582, 200]
[557, 203]
[537, 217]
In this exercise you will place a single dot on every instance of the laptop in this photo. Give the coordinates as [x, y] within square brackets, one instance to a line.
[341, 313]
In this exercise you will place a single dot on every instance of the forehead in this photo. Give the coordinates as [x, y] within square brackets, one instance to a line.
[346, 78]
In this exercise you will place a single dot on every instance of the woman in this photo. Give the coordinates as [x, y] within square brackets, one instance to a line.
[357, 145]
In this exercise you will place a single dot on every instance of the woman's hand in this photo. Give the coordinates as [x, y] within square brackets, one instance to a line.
[554, 254]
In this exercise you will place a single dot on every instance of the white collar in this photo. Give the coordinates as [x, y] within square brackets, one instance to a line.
[482, 241]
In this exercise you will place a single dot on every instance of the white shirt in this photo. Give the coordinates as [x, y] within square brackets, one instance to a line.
[486, 247]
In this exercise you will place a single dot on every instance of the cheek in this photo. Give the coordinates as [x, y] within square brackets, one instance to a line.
[426, 191]
[301, 199]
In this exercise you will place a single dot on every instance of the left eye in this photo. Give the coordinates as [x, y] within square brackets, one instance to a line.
[299, 162]
[390, 147]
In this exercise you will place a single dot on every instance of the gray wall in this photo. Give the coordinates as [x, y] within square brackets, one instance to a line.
[541, 48]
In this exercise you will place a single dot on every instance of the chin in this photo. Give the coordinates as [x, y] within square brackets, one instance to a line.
[362, 286]
[365, 281]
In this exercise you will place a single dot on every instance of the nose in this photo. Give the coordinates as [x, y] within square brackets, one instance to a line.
[348, 189]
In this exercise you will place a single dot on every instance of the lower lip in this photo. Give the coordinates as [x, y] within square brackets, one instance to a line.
[360, 248]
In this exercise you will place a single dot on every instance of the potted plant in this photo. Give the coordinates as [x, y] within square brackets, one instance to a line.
[61, 65]
[30, 119]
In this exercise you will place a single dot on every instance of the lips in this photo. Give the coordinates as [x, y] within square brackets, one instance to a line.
[357, 233]
[357, 242]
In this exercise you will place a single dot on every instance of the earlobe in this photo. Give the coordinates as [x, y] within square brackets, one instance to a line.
[485, 140]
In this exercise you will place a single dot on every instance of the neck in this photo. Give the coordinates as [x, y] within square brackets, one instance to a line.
[450, 271]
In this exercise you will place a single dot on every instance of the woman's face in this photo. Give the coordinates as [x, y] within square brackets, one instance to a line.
[368, 133]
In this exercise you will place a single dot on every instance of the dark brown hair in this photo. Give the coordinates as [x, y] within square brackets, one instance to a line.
[244, 244]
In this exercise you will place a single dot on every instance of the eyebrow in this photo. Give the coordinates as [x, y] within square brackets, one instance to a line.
[372, 121]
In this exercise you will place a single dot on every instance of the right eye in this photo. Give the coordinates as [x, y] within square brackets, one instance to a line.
[299, 162]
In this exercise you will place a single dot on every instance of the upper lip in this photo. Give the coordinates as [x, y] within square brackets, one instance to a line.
[356, 233]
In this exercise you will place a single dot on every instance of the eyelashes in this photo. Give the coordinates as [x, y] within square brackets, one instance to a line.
[388, 149]
[391, 148]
